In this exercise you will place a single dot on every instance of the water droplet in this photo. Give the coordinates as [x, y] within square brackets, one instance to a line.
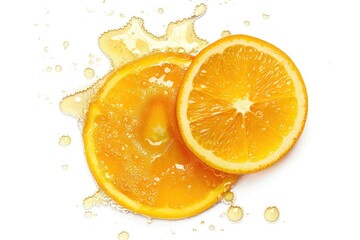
[271, 214]
[66, 45]
[123, 235]
[58, 68]
[235, 213]
[246, 23]
[211, 227]
[49, 69]
[89, 73]
[46, 49]
[64, 140]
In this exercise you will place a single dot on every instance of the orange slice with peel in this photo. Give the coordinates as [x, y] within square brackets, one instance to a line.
[133, 146]
[242, 104]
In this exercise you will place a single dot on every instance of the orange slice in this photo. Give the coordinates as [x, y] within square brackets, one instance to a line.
[133, 146]
[242, 104]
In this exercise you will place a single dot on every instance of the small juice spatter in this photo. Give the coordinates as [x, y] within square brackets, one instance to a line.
[65, 167]
[101, 199]
[235, 213]
[46, 49]
[271, 214]
[211, 227]
[123, 235]
[58, 68]
[160, 10]
[202, 222]
[64, 140]
[66, 45]
[89, 73]
[228, 197]
[225, 33]
[265, 16]
[246, 23]
[48, 69]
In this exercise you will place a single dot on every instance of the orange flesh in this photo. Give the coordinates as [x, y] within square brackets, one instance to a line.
[246, 75]
[134, 147]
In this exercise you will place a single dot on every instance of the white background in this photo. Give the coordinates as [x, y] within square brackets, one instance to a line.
[315, 186]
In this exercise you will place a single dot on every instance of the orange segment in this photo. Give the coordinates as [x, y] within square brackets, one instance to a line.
[134, 148]
[242, 104]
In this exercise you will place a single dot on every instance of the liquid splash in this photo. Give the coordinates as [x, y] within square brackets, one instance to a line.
[131, 42]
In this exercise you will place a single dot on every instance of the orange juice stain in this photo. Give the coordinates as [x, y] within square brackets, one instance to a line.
[132, 42]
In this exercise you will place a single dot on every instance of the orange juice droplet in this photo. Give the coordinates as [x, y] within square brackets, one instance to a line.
[123, 235]
[64, 141]
[225, 33]
[58, 68]
[266, 16]
[160, 10]
[228, 197]
[89, 73]
[65, 167]
[122, 49]
[235, 213]
[66, 45]
[271, 214]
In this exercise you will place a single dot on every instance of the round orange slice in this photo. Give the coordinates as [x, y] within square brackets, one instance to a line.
[133, 146]
[242, 104]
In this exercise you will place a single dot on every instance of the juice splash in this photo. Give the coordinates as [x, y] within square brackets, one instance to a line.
[131, 42]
